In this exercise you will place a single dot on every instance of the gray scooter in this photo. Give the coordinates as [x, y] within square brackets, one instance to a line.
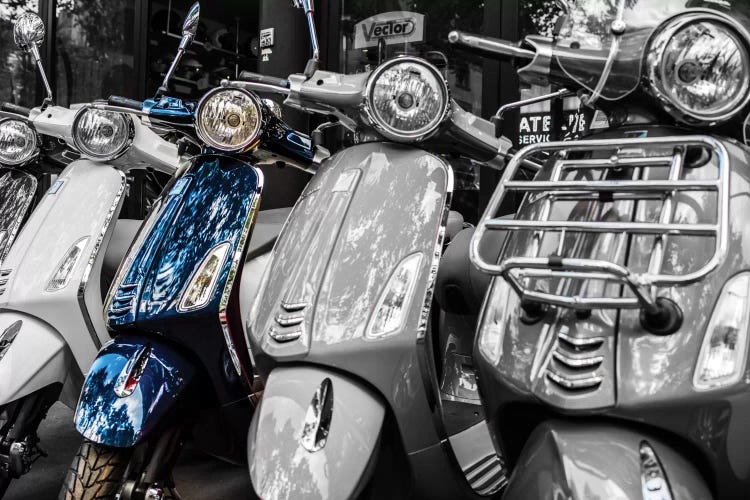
[367, 391]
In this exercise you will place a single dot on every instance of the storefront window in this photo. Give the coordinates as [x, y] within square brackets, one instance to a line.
[226, 43]
[17, 70]
[374, 30]
[536, 123]
[95, 49]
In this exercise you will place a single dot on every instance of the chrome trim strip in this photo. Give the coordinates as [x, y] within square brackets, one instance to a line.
[236, 258]
[586, 382]
[92, 258]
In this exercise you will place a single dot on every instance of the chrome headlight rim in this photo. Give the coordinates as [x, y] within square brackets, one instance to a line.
[87, 153]
[37, 143]
[386, 130]
[654, 61]
[244, 145]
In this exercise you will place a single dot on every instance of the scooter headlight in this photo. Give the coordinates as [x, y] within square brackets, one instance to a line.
[201, 287]
[699, 67]
[18, 142]
[721, 361]
[390, 312]
[406, 99]
[102, 135]
[228, 119]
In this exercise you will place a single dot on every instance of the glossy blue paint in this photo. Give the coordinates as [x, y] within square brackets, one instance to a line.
[282, 139]
[208, 206]
[170, 108]
[108, 419]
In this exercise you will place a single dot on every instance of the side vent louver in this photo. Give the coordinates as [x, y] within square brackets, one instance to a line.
[4, 278]
[575, 361]
[123, 300]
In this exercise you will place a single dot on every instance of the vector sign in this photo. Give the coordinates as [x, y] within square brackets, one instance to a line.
[393, 27]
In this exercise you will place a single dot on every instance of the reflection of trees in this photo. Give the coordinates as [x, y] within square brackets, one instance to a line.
[95, 44]
[96, 409]
[17, 71]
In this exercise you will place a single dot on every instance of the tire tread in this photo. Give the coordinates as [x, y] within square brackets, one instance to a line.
[95, 473]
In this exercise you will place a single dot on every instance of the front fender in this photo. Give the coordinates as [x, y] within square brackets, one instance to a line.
[579, 461]
[123, 421]
[32, 356]
[282, 465]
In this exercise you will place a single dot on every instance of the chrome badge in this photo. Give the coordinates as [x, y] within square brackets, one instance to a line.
[132, 372]
[653, 479]
[318, 418]
[7, 337]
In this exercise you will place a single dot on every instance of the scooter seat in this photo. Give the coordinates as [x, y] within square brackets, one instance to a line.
[460, 287]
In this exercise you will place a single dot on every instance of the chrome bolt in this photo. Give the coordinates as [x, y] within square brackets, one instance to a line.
[618, 27]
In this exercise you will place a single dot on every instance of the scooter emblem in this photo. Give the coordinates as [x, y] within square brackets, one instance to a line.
[318, 418]
[132, 372]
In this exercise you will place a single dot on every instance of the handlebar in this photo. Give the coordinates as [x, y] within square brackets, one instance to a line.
[124, 102]
[493, 47]
[249, 76]
[14, 108]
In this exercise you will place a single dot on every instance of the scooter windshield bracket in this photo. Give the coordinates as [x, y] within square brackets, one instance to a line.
[599, 173]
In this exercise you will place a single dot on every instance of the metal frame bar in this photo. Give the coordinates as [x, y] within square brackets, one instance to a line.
[518, 270]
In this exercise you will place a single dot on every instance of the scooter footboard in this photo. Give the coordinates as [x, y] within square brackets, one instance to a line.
[315, 435]
[32, 356]
[599, 460]
[134, 385]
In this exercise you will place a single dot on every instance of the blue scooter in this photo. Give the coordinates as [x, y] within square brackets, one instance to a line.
[179, 367]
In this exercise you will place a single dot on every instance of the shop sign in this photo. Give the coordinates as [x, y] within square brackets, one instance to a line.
[392, 27]
[536, 127]
[266, 38]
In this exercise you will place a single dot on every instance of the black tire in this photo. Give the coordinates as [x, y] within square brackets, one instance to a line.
[96, 473]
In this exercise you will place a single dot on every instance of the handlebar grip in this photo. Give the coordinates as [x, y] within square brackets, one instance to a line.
[249, 76]
[488, 46]
[14, 108]
[124, 102]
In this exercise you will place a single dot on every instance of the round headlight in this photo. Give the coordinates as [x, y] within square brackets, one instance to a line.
[102, 135]
[406, 99]
[228, 119]
[698, 66]
[18, 142]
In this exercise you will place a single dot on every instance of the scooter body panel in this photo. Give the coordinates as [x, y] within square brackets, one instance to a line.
[122, 420]
[564, 459]
[365, 211]
[77, 210]
[344, 422]
[213, 204]
[646, 378]
[17, 190]
[32, 356]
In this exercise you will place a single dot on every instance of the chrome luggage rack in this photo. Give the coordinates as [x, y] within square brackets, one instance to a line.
[517, 270]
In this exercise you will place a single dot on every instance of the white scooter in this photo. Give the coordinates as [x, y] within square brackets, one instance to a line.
[53, 278]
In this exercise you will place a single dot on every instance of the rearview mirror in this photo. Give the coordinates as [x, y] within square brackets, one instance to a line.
[189, 30]
[28, 33]
[309, 8]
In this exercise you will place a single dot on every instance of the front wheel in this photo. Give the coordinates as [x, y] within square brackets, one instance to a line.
[97, 472]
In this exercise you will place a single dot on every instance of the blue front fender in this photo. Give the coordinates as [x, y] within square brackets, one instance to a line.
[109, 419]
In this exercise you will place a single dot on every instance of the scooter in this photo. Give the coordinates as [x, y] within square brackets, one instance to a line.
[612, 348]
[52, 278]
[369, 388]
[178, 368]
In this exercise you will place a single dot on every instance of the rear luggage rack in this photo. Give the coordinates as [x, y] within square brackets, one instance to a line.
[628, 153]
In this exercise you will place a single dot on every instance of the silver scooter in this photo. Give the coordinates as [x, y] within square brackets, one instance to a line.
[364, 395]
[612, 347]
[51, 281]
